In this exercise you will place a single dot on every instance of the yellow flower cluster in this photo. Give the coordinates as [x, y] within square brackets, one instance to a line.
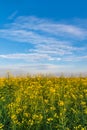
[43, 103]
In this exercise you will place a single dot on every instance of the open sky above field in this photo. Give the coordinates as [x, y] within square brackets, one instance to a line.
[43, 36]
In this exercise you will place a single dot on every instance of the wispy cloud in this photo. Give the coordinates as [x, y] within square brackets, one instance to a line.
[48, 26]
[42, 27]
[76, 58]
[13, 15]
[27, 57]
[52, 41]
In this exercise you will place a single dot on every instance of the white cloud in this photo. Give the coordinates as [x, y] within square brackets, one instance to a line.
[76, 58]
[33, 27]
[31, 56]
[54, 28]
[52, 42]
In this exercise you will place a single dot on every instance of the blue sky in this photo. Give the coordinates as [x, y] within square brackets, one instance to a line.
[47, 36]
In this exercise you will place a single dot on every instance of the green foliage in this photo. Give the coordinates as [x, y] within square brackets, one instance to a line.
[43, 103]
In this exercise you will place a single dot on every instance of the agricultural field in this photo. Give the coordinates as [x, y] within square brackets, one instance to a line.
[43, 103]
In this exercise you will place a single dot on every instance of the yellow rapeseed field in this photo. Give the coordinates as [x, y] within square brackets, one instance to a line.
[43, 103]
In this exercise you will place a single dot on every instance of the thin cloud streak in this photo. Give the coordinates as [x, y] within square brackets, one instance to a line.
[76, 58]
[32, 27]
[42, 57]
[51, 27]
[13, 15]
[52, 42]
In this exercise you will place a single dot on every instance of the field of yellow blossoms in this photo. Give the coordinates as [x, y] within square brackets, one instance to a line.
[43, 103]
